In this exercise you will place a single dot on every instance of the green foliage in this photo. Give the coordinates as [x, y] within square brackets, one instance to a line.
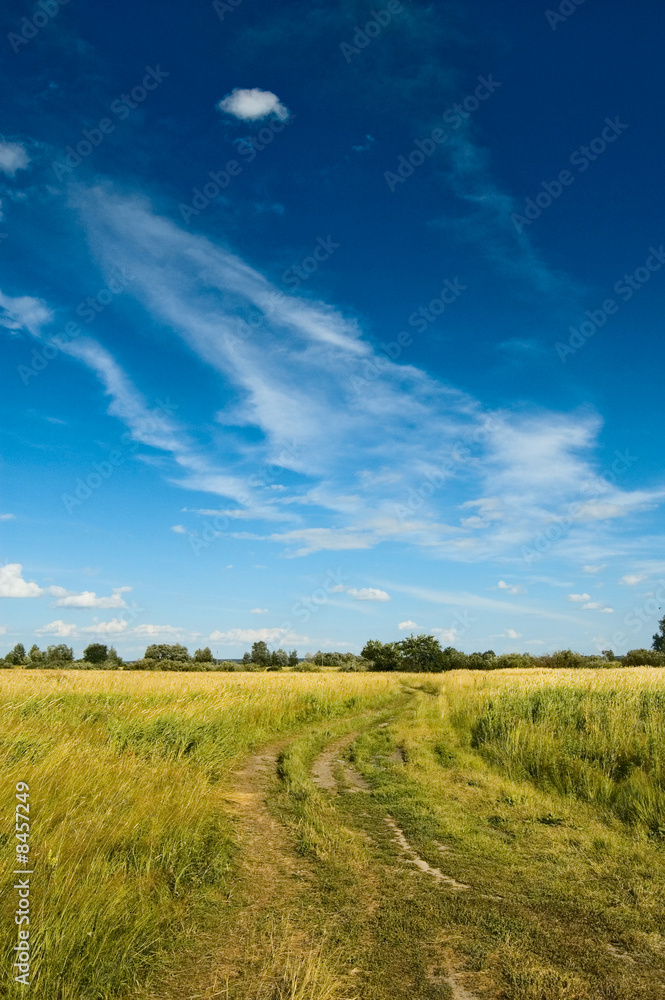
[57, 655]
[96, 652]
[260, 654]
[659, 637]
[421, 653]
[293, 657]
[162, 651]
[382, 656]
[644, 658]
[203, 655]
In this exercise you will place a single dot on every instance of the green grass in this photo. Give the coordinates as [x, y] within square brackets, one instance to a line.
[132, 840]
[546, 788]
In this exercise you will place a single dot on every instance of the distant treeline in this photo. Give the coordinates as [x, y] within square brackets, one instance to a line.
[415, 654]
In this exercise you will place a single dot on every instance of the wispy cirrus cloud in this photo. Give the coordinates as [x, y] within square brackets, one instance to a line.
[289, 376]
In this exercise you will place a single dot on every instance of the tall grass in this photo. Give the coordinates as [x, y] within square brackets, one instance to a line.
[132, 842]
[597, 736]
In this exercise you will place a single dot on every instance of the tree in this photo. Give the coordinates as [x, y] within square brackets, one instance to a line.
[247, 659]
[203, 655]
[162, 651]
[113, 658]
[293, 657]
[96, 652]
[17, 655]
[261, 654]
[659, 638]
[35, 655]
[383, 657]
[59, 654]
[279, 659]
[421, 653]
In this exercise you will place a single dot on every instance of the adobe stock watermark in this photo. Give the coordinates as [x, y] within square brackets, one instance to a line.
[88, 483]
[461, 450]
[380, 19]
[419, 320]
[581, 158]
[560, 525]
[217, 524]
[44, 13]
[454, 117]
[121, 107]
[224, 7]
[565, 10]
[88, 310]
[293, 276]
[297, 273]
[303, 609]
[641, 616]
[219, 180]
[625, 288]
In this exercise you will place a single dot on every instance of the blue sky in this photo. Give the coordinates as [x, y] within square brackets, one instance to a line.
[331, 321]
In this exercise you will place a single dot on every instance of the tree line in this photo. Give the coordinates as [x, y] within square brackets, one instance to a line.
[416, 654]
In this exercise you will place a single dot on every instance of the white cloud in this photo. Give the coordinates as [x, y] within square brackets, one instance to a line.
[88, 599]
[630, 579]
[7, 517]
[179, 529]
[24, 313]
[3, 629]
[12, 583]
[152, 630]
[449, 635]
[512, 634]
[368, 594]
[596, 606]
[13, 157]
[406, 624]
[245, 636]
[578, 598]
[259, 611]
[594, 569]
[514, 588]
[113, 627]
[253, 104]
[299, 375]
[57, 628]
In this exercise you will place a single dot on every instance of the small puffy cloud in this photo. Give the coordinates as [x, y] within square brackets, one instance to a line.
[594, 569]
[368, 594]
[630, 579]
[509, 588]
[446, 634]
[259, 611]
[578, 598]
[512, 634]
[13, 157]
[339, 588]
[253, 104]
[179, 529]
[24, 313]
[150, 630]
[3, 629]
[244, 636]
[7, 517]
[57, 628]
[597, 606]
[12, 583]
[88, 599]
[406, 624]
[107, 628]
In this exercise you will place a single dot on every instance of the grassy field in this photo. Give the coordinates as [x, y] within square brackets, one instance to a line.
[159, 873]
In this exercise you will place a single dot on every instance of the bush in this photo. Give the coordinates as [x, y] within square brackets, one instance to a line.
[644, 658]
